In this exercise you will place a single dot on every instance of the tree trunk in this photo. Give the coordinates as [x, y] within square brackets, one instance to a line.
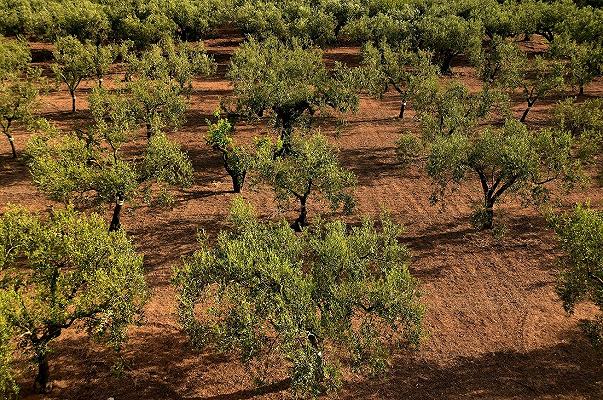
[302, 220]
[115, 221]
[149, 131]
[11, 140]
[446, 66]
[42, 382]
[581, 93]
[526, 112]
[489, 214]
[73, 98]
[402, 109]
[100, 82]
[237, 181]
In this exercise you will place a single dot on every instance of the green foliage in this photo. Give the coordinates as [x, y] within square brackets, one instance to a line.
[447, 108]
[584, 61]
[157, 103]
[448, 36]
[502, 64]
[18, 102]
[74, 62]
[170, 60]
[311, 169]
[62, 271]
[235, 158]
[167, 163]
[15, 57]
[331, 295]
[581, 279]
[540, 78]
[289, 81]
[404, 70]
[505, 160]
[585, 122]
[8, 386]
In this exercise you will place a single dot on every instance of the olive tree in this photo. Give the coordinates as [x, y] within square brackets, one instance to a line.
[580, 235]
[15, 56]
[290, 82]
[18, 102]
[333, 296]
[540, 78]
[85, 167]
[158, 104]
[171, 60]
[74, 62]
[448, 36]
[61, 272]
[398, 67]
[584, 61]
[505, 160]
[311, 169]
[236, 159]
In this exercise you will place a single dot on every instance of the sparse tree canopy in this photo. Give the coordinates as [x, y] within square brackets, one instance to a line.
[62, 272]
[332, 296]
[581, 279]
[311, 169]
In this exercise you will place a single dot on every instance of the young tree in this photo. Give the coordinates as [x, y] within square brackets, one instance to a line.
[332, 296]
[18, 101]
[505, 160]
[581, 278]
[289, 81]
[540, 78]
[73, 63]
[501, 64]
[404, 70]
[311, 168]
[63, 271]
[235, 158]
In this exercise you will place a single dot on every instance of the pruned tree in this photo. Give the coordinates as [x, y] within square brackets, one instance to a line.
[333, 296]
[62, 272]
[15, 57]
[290, 82]
[398, 67]
[310, 169]
[102, 58]
[580, 236]
[501, 64]
[584, 61]
[235, 158]
[507, 160]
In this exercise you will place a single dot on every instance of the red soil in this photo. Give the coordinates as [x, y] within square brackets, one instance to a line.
[496, 327]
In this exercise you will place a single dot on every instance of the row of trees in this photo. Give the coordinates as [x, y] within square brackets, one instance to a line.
[447, 28]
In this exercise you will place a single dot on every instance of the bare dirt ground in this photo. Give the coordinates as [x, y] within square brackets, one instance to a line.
[496, 327]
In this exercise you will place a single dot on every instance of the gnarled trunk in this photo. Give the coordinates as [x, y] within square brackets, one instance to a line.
[527, 111]
[402, 109]
[489, 214]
